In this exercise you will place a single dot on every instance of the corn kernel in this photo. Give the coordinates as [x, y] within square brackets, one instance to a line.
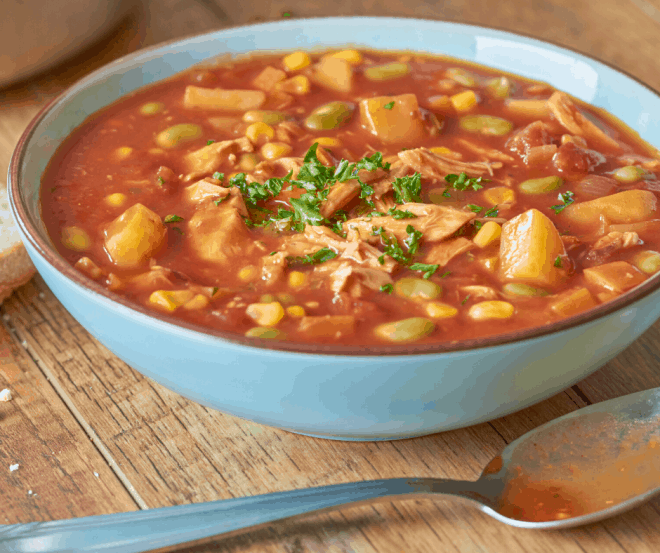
[493, 309]
[438, 310]
[257, 130]
[499, 195]
[295, 311]
[123, 152]
[198, 302]
[170, 300]
[115, 200]
[296, 61]
[86, 265]
[76, 239]
[113, 282]
[297, 279]
[351, 56]
[487, 234]
[327, 141]
[275, 150]
[248, 273]
[298, 85]
[265, 314]
[464, 101]
[440, 150]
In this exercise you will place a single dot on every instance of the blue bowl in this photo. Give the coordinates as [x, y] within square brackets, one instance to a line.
[333, 391]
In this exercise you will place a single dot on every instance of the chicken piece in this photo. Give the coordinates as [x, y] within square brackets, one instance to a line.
[346, 276]
[436, 166]
[268, 78]
[567, 113]
[342, 193]
[286, 131]
[133, 237]
[208, 159]
[574, 162]
[480, 292]
[206, 189]
[436, 222]
[534, 135]
[218, 233]
[382, 186]
[268, 168]
[607, 245]
[442, 253]
[273, 267]
[485, 151]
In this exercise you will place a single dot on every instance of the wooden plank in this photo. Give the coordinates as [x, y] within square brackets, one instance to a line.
[60, 473]
[174, 451]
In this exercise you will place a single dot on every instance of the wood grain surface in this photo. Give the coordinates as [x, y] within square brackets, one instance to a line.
[78, 411]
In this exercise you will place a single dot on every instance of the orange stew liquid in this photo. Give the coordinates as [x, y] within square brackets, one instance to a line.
[356, 197]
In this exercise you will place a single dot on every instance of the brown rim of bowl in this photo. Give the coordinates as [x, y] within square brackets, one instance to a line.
[53, 258]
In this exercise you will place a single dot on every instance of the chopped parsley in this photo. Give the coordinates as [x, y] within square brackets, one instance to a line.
[475, 208]
[445, 274]
[407, 189]
[209, 142]
[478, 225]
[218, 201]
[428, 270]
[172, 219]
[394, 249]
[558, 262]
[492, 212]
[389, 105]
[387, 288]
[567, 199]
[320, 256]
[178, 230]
[161, 181]
[286, 14]
[412, 242]
[465, 300]
[463, 182]
[218, 176]
[214, 291]
[399, 214]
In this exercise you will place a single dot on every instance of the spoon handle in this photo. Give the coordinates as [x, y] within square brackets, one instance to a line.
[134, 532]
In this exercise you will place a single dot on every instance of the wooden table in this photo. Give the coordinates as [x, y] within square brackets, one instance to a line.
[92, 436]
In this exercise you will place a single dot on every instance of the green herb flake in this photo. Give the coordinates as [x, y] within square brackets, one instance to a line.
[478, 225]
[567, 199]
[558, 262]
[320, 256]
[445, 274]
[286, 14]
[492, 212]
[273, 253]
[172, 219]
[463, 182]
[387, 288]
[465, 300]
[428, 270]
[218, 176]
[214, 291]
[408, 189]
[389, 105]
[399, 214]
[475, 208]
[177, 229]
[218, 201]
[161, 181]
[209, 142]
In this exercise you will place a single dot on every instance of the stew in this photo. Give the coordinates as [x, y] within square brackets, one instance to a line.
[356, 197]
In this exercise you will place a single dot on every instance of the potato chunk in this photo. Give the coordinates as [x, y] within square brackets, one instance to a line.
[616, 277]
[393, 119]
[133, 237]
[334, 73]
[630, 206]
[220, 99]
[529, 247]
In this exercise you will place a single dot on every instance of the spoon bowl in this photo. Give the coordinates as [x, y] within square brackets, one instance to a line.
[588, 465]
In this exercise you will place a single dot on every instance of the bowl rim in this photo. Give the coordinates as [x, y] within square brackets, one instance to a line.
[51, 257]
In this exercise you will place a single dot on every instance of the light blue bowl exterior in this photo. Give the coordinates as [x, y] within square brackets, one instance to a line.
[345, 396]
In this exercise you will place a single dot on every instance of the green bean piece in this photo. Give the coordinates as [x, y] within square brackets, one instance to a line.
[387, 71]
[541, 185]
[462, 77]
[499, 87]
[486, 124]
[175, 135]
[629, 174]
[151, 108]
[519, 289]
[264, 116]
[265, 332]
[330, 116]
[406, 330]
[417, 288]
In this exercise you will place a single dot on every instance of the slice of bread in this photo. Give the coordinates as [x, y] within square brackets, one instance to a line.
[15, 265]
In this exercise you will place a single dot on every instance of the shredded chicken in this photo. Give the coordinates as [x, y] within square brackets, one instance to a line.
[208, 159]
[606, 245]
[272, 267]
[286, 131]
[444, 252]
[268, 168]
[488, 153]
[480, 292]
[382, 186]
[436, 222]
[345, 276]
[567, 113]
[534, 135]
[342, 193]
[436, 166]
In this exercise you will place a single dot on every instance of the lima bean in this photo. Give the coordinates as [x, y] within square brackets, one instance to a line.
[265, 332]
[387, 71]
[406, 330]
[173, 136]
[461, 76]
[486, 124]
[330, 116]
[541, 185]
[264, 116]
[520, 289]
[629, 174]
[417, 288]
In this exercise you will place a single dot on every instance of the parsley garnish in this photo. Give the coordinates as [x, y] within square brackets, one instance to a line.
[463, 182]
[387, 288]
[214, 291]
[407, 189]
[321, 256]
[492, 212]
[178, 230]
[428, 269]
[209, 142]
[566, 198]
[475, 208]
[465, 300]
[394, 249]
[286, 14]
[398, 214]
[218, 176]
[218, 201]
[478, 225]
[558, 262]
[172, 219]
[445, 275]
[412, 242]
[161, 181]
[389, 105]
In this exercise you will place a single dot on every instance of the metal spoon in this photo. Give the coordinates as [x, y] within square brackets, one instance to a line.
[585, 466]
